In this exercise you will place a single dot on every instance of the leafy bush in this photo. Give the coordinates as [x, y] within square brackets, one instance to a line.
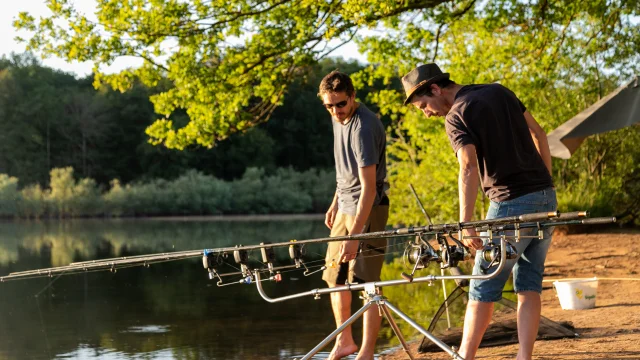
[9, 195]
[33, 203]
[193, 193]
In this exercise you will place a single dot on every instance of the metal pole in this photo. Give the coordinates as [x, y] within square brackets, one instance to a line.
[337, 331]
[446, 303]
[395, 328]
[424, 332]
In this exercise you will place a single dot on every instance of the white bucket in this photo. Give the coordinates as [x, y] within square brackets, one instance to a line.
[577, 294]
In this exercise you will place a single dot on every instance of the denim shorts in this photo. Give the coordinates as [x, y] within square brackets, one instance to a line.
[528, 267]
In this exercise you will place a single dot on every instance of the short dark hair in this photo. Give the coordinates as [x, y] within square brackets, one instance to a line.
[336, 81]
[427, 89]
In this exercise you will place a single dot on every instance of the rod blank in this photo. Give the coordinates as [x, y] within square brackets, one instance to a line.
[536, 220]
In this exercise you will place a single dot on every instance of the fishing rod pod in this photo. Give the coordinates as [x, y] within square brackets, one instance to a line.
[453, 254]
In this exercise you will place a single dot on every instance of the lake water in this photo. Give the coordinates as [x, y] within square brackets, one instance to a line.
[170, 310]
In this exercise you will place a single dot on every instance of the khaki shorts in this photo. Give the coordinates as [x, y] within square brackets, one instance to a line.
[367, 265]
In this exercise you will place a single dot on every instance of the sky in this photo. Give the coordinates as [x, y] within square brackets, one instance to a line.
[37, 8]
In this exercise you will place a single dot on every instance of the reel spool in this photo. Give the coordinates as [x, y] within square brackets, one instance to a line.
[455, 254]
[419, 254]
[451, 255]
[491, 254]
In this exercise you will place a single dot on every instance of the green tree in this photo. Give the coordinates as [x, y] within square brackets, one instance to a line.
[558, 58]
[31, 111]
[230, 62]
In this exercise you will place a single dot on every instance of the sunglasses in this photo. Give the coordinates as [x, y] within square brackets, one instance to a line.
[338, 105]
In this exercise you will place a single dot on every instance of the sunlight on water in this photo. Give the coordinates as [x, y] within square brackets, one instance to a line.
[170, 310]
[148, 329]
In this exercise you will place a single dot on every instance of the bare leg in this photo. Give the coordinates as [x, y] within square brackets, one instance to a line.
[341, 305]
[529, 308]
[370, 330]
[476, 321]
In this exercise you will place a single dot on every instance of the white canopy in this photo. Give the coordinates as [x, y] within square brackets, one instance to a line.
[619, 109]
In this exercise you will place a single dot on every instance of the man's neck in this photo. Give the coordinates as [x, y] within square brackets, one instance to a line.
[454, 91]
[450, 94]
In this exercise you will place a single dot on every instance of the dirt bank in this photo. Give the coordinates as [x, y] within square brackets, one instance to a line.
[612, 329]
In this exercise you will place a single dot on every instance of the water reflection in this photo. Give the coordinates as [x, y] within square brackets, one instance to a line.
[170, 310]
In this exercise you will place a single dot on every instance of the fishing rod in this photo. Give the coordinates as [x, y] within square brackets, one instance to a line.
[213, 258]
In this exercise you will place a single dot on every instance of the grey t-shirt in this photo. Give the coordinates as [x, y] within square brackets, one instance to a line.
[358, 143]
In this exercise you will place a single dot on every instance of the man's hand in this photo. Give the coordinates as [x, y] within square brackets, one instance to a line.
[348, 250]
[475, 244]
[330, 216]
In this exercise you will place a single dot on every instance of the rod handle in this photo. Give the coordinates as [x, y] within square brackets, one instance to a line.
[599, 220]
[407, 277]
[541, 216]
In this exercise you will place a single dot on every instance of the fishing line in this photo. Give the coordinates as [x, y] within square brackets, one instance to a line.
[48, 285]
[44, 328]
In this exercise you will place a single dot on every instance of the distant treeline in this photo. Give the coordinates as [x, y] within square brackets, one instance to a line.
[285, 191]
[50, 119]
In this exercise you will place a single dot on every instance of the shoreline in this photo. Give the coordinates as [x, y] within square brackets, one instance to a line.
[182, 218]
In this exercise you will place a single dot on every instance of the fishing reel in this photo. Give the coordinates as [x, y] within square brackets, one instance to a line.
[491, 254]
[212, 261]
[421, 253]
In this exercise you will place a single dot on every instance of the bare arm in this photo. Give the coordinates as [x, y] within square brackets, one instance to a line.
[330, 216]
[468, 182]
[367, 175]
[539, 139]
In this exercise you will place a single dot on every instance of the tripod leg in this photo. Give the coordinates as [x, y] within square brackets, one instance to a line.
[424, 332]
[396, 330]
[337, 331]
[446, 303]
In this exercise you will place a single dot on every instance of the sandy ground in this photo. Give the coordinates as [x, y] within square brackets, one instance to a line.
[612, 329]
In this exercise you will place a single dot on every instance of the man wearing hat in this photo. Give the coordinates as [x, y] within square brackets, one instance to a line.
[500, 146]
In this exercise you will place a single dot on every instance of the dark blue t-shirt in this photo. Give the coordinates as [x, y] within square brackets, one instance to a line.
[491, 117]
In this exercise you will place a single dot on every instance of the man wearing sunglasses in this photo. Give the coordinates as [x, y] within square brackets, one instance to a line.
[359, 205]
[500, 146]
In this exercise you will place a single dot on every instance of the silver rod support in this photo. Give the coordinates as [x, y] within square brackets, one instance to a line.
[424, 332]
[396, 329]
[446, 303]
